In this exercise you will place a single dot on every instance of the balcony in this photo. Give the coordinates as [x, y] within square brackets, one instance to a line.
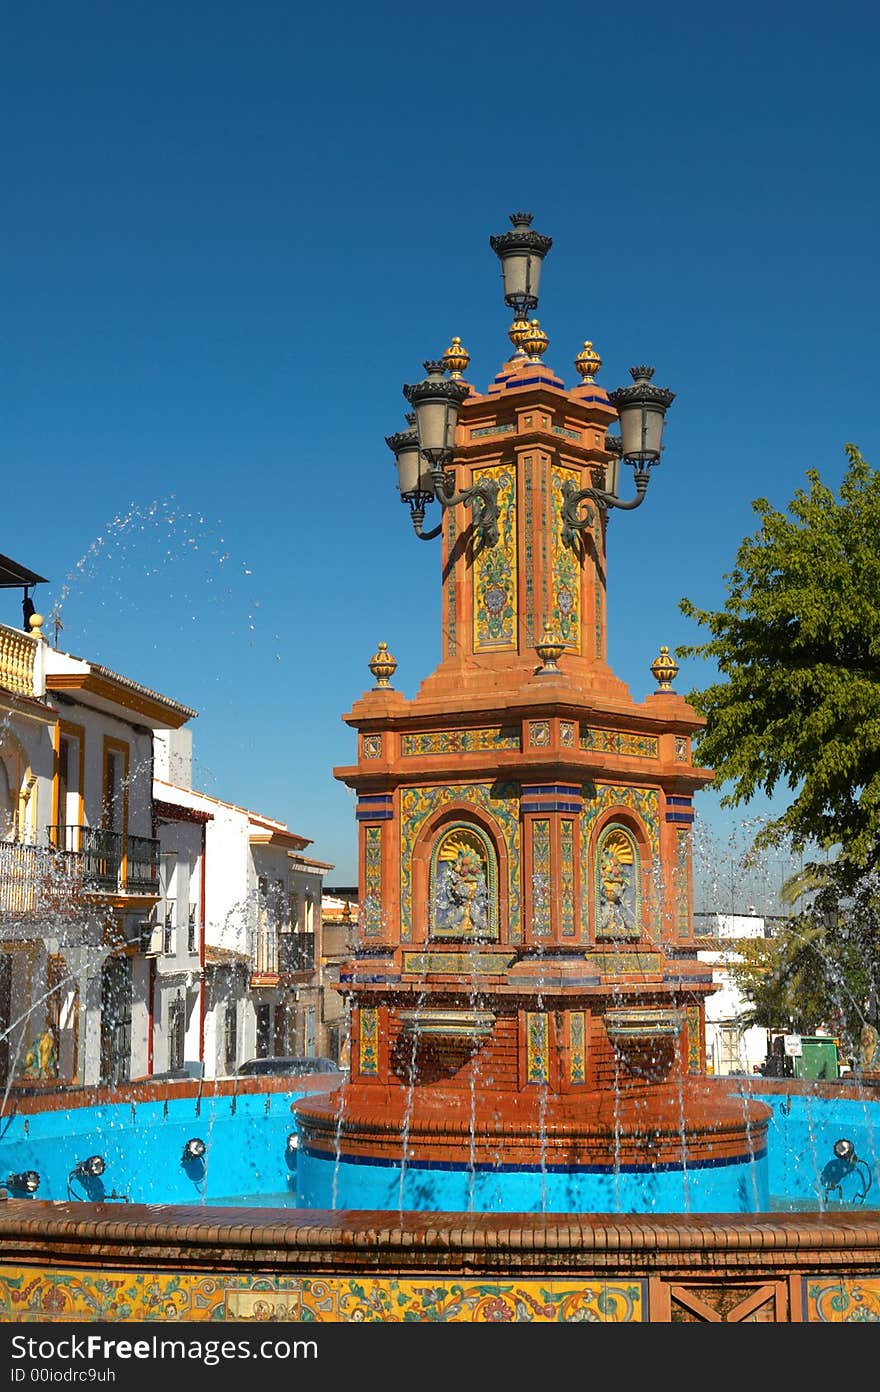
[279, 954]
[109, 862]
[264, 959]
[36, 879]
[17, 651]
[296, 952]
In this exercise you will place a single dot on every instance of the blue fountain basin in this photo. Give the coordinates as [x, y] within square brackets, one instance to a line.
[248, 1163]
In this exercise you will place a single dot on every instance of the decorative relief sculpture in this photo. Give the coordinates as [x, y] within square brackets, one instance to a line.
[462, 886]
[617, 897]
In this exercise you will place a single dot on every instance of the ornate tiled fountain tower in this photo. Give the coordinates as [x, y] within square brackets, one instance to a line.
[525, 990]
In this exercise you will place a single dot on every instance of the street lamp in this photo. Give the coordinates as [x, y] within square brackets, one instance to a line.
[521, 252]
[423, 452]
[642, 411]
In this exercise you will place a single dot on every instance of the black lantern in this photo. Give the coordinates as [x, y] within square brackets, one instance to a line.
[413, 478]
[642, 410]
[521, 252]
[436, 402]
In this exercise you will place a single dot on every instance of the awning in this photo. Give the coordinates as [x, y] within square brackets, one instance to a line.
[13, 576]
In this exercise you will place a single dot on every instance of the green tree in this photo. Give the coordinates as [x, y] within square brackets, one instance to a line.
[820, 970]
[784, 980]
[797, 704]
[798, 647]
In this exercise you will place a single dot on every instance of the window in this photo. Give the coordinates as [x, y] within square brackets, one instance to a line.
[67, 804]
[176, 1032]
[169, 946]
[167, 909]
[279, 1041]
[65, 763]
[192, 934]
[7, 805]
[296, 952]
[114, 789]
[116, 996]
[264, 1030]
[262, 902]
[230, 1049]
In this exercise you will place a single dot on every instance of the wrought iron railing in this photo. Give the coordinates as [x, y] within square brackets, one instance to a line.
[264, 960]
[296, 952]
[142, 865]
[35, 878]
[277, 953]
[108, 860]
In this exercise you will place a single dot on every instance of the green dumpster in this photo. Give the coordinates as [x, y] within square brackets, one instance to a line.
[818, 1057]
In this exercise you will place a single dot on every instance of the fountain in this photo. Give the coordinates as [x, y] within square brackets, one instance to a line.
[526, 999]
[527, 1131]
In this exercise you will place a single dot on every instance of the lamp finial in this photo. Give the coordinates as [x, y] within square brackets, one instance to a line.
[456, 359]
[664, 669]
[588, 362]
[383, 666]
[534, 341]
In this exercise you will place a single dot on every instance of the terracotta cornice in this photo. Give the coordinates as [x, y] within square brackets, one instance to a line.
[532, 765]
[424, 715]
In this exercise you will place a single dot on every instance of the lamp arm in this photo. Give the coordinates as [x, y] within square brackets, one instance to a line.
[417, 512]
[426, 536]
[572, 498]
[482, 497]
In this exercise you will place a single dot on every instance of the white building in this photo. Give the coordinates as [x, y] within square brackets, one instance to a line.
[79, 866]
[731, 1045]
[339, 920]
[254, 896]
[177, 947]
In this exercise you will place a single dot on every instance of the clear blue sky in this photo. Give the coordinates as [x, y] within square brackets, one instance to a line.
[231, 233]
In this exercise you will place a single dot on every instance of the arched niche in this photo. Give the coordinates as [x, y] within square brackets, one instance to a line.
[16, 783]
[463, 884]
[618, 875]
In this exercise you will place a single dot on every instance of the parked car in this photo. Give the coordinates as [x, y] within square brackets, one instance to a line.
[291, 1066]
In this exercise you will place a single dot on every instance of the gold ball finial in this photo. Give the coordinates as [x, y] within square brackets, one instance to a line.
[588, 361]
[517, 332]
[456, 359]
[383, 666]
[535, 342]
[36, 622]
[664, 669]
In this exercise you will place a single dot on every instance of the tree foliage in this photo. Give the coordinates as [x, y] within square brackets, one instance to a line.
[797, 705]
[823, 968]
[784, 980]
[797, 645]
